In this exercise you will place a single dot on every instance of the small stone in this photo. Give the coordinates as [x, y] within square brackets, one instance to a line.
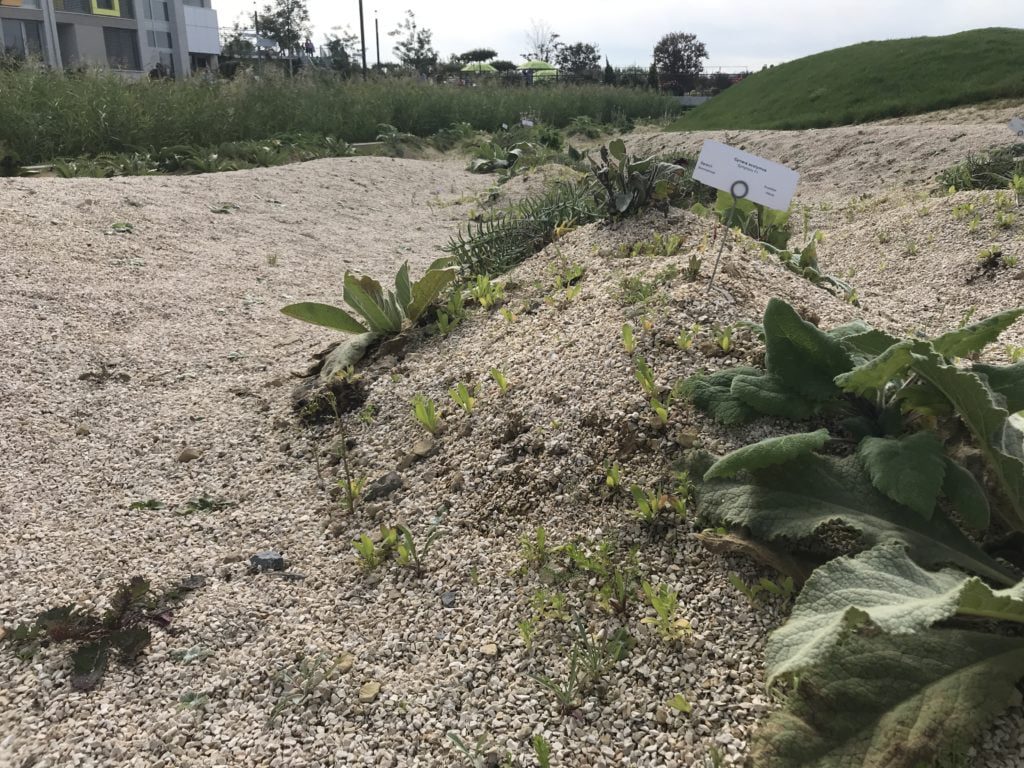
[383, 486]
[424, 447]
[368, 692]
[687, 438]
[346, 661]
[489, 649]
[661, 715]
[189, 454]
[82, 430]
[457, 483]
[448, 599]
[270, 560]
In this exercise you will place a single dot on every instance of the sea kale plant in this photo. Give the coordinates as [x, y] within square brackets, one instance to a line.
[889, 663]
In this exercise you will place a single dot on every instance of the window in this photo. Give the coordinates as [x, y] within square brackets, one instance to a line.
[158, 39]
[122, 48]
[22, 39]
[106, 7]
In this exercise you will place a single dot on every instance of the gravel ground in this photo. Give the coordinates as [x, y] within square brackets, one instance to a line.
[176, 330]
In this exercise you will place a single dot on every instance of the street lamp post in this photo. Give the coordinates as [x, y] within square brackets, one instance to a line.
[376, 26]
[362, 36]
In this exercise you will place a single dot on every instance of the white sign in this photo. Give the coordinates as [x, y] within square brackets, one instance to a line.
[1017, 126]
[745, 175]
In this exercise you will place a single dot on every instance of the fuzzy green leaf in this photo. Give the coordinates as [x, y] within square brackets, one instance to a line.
[908, 470]
[426, 289]
[774, 450]
[617, 149]
[769, 396]
[403, 287]
[885, 588]
[804, 358]
[966, 495]
[878, 371]
[793, 501]
[366, 297]
[892, 701]
[711, 394]
[1001, 443]
[326, 315]
[871, 342]
[846, 330]
[1007, 380]
[975, 337]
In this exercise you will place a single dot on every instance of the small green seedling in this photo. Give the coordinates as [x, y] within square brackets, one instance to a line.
[487, 293]
[660, 411]
[500, 380]
[543, 751]
[373, 555]
[464, 396]
[612, 476]
[665, 602]
[723, 337]
[425, 412]
[648, 503]
[645, 376]
[628, 340]
[680, 704]
[508, 315]
[409, 555]
[687, 336]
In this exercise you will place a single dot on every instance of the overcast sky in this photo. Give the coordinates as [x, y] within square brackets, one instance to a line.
[737, 34]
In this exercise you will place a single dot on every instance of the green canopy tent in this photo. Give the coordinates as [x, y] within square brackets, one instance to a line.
[536, 65]
[478, 67]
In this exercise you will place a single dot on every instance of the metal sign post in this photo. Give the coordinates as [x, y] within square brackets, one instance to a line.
[738, 191]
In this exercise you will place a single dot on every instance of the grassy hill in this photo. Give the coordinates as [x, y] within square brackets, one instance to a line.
[869, 81]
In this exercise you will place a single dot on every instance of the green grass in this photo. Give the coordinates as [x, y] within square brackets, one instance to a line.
[46, 115]
[870, 81]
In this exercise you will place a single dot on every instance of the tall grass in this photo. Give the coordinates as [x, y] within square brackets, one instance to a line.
[869, 81]
[46, 115]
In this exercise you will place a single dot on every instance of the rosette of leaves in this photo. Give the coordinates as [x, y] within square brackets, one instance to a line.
[382, 313]
[629, 185]
[122, 630]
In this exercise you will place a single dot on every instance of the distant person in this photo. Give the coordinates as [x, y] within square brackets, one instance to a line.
[310, 48]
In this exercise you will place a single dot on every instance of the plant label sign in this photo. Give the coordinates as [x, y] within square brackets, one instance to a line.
[742, 174]
[1017, 126]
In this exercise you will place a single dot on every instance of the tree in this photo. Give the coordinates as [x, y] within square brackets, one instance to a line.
[286, 22]
[652, 77]
[237, 44]
[542, 43]
[344, 39]
[477, 54]
[503, 65]
[413, 45]
[580, 60]
[609, 72]
[337, 50]
[678, 59]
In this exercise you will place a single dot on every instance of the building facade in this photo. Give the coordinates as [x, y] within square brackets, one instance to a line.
[172, 37]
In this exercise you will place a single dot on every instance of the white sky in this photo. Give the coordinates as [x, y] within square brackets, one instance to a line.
[737, 34]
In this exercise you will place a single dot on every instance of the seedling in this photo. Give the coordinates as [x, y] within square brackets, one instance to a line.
[500, 380]
[304, 682]
[549, 605]
[464, 396]
[1005, 220]
[527, 629]
[488, 294]
[148, 504]
[409, 555]
[648, 503]
[686, 337]
[645, 376]
[543, 751]
[723, 337]
[660, 411]
[693, 266]
[665, 602]
[1015, 353]
[445, 324]
[612, 476]
[373, 555]
[508, 315]
[122, 228]
[368, 413]
[535, 551]
[425, 412]
[628, 340]
[680, 704]
[755, 592]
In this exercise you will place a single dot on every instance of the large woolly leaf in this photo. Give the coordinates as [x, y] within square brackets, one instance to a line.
[1007, 380]
[870, 343]
[909, 469]
[426, 289]
[846, 330]
[712, 394]
[326, 315]
[883, 587]
[366, 297]
[768, 395]
[877, 371]
[975, 337]
[804, 358]
[1001, 443]
[966, 495]
[774, 450]
[797, 500]
[892, 701]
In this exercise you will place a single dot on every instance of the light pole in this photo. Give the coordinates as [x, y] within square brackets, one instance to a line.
[376, 26]
[362, 36]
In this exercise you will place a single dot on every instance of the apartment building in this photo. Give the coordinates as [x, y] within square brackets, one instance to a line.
[134, 36]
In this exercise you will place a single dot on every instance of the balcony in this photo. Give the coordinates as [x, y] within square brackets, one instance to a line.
[118, 9]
